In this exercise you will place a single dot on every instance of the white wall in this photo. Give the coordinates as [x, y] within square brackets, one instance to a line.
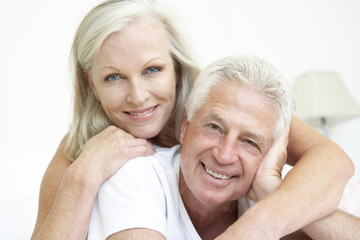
[35, 39]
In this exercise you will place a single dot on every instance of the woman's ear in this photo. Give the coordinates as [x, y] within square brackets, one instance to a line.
[183, 128]
[91, 84]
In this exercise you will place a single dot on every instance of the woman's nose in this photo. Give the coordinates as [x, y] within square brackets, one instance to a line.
[138, 92]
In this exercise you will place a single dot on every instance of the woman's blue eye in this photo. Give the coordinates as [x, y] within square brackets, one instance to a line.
[152, 70]
[112, 77]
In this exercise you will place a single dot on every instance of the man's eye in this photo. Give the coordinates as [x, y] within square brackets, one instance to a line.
[112, 77]
[213, 126]
[151, 70]
[251, 142]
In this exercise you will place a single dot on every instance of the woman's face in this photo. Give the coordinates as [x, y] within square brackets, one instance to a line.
[133, 77]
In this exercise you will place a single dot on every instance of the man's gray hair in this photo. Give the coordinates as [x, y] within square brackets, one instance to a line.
[249, 71]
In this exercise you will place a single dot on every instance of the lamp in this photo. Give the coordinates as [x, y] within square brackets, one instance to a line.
[322, 97]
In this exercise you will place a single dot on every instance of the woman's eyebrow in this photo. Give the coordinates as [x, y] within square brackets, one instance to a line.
[155, 59]
[112, 68]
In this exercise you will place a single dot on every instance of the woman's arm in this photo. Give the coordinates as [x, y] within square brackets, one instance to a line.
[65, 201]
[338, 225]
[310, 191]
[68, 190]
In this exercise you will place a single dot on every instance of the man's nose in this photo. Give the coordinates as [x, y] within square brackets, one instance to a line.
[138, 92]
[226, 151]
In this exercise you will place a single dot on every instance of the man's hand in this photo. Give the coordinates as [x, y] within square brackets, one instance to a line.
[266, 180]
[268, 176]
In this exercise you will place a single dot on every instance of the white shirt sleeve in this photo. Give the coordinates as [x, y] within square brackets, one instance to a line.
[132, 198]
[351, 199]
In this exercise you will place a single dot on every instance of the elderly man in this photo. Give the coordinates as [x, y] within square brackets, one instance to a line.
[198, 190]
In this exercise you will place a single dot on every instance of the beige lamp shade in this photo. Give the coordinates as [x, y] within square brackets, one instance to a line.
[322, 95]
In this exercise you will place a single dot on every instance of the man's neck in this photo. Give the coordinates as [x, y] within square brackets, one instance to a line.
[209, 221]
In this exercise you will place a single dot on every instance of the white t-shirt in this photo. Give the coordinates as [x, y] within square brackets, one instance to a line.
[351, 199]
[144, 193]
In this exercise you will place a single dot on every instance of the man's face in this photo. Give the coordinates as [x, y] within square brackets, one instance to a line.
[224, 143]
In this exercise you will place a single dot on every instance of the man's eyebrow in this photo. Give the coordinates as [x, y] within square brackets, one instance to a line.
[258, 138]
[214, 116]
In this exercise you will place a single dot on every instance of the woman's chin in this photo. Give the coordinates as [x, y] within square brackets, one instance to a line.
[145, 133]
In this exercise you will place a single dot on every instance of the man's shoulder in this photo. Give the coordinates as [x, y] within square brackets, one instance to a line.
[166, 156]
[162, 160]
[141, 190]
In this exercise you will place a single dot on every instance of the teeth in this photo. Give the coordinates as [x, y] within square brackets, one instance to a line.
[215, 174]
[143, 113]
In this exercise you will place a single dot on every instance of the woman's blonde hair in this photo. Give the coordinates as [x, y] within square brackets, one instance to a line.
[110, 17]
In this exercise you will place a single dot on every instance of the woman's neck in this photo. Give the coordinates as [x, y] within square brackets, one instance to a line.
[166, 138]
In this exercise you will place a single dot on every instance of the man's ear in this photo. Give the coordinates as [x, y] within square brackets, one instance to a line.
[91, 84]
[183, 128]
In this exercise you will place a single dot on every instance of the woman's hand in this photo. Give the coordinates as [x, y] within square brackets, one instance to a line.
[268, 176]
[108, 151]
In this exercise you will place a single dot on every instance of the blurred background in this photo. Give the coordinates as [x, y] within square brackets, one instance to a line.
[298, 37]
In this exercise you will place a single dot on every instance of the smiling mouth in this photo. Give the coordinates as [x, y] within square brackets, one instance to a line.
[215, 174]
[142, 113]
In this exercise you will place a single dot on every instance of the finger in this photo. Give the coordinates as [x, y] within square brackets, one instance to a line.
[140, 151]
[284, 135]
[134, 147]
